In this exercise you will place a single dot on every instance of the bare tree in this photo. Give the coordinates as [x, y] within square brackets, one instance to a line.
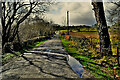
[105, 44]
[13, 14]
[114, 13]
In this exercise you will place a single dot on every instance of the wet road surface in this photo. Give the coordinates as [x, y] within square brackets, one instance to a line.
[49, 60]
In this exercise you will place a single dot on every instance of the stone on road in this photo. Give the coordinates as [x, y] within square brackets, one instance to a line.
[48, 60]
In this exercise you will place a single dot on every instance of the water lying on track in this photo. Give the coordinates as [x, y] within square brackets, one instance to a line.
[75, 65]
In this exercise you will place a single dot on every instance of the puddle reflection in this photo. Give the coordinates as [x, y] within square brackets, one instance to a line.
[75, 65]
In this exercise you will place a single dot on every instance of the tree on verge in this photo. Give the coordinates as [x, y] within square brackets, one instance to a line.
[13, 14]
[105, 44]
[114, 13]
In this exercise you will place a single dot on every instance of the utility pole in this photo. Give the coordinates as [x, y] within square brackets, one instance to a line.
[67, 22]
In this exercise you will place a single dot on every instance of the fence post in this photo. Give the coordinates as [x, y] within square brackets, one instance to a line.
[118, 56]
[91, 42]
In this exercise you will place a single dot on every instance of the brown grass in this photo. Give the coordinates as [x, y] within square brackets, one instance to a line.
[92, 35]
[85, 34]
[113, 38]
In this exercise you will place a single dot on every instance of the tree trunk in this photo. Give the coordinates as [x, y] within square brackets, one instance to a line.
[105, 44]
[6, 36]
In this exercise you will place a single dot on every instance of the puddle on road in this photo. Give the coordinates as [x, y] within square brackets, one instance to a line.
[75, 65]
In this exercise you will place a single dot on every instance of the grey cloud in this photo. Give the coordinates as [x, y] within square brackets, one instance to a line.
[80, 13]
[84, 19]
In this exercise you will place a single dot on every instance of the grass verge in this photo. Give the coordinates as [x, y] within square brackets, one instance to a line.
[8, 56]
[85, 60]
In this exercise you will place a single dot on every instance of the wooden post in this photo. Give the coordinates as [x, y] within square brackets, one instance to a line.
[91, 42]
[118, 56]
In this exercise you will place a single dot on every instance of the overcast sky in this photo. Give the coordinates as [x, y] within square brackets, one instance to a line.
[79, 12]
